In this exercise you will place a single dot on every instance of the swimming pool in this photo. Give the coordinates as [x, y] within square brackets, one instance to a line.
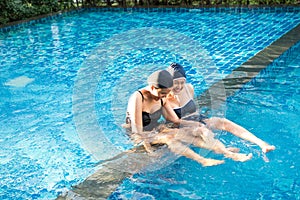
[267, 106]
[48, 67]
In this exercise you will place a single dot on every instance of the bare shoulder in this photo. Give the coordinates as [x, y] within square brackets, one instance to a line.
[190, 88]
[146, 93]
[135, 96]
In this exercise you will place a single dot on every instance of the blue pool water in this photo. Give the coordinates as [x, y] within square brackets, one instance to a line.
[269, 107]
[65, 83]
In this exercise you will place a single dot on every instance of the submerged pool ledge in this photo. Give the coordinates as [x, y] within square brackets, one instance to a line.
[248, 70]
[111, 173]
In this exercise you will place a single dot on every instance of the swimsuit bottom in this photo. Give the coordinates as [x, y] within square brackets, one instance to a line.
[196, 117]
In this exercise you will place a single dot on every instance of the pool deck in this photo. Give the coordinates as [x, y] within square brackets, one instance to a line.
[110, 175]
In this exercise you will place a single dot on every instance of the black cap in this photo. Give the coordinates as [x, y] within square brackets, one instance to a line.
[161, 79]
[176, 70]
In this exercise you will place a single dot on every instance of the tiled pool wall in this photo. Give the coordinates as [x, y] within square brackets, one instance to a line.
[28, 22]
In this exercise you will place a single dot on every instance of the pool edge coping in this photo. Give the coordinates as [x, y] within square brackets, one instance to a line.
[238, 9]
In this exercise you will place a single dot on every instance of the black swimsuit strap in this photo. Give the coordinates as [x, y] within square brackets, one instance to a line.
[141, 94]
[161, 101]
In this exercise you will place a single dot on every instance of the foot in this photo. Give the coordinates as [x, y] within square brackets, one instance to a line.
[233, 149]
[211, 162]
[241, 157]
[266, 148]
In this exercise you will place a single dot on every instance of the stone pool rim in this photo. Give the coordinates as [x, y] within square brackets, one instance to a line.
[11, 26]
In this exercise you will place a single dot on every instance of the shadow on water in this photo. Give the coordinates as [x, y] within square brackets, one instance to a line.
[110, 173]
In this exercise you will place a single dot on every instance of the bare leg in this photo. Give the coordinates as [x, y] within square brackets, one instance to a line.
[227, 125]
[199, 132]
[200, 137]
[233, 149]
[179, 148]
[215, 145]
[219, 148]
[204, 138]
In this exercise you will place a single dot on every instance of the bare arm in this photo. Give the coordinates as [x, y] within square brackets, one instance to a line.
[170, 115]
[190, 89]
[135, 109]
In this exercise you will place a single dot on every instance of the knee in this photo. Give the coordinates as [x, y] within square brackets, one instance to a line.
[217, 122]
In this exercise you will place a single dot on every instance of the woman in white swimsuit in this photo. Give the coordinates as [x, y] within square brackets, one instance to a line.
[181, 99]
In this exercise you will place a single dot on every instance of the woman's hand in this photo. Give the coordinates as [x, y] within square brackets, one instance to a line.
[148, 147]
[189, 123]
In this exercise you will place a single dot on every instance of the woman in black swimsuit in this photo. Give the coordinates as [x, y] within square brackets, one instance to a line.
[145, 106]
